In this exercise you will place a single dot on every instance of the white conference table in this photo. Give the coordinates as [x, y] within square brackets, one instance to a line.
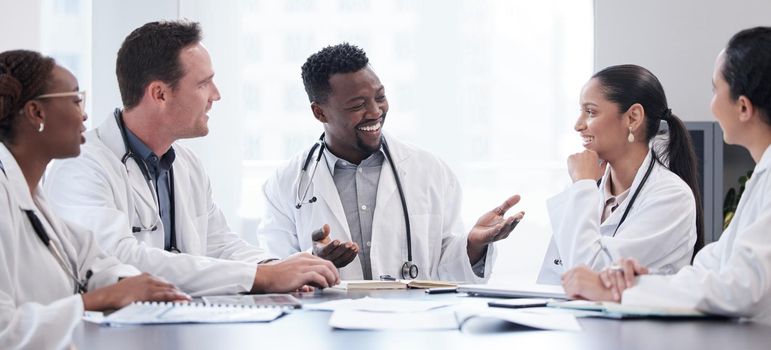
[309, 330]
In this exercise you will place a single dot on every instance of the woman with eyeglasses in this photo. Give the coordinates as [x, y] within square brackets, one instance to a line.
[50, 271]
[732, 276]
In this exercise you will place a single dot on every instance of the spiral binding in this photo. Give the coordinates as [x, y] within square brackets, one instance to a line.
[213, 306]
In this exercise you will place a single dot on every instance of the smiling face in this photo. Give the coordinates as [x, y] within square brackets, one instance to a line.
[63, 133]
[194, 94]
[353, 114]
[600, 123]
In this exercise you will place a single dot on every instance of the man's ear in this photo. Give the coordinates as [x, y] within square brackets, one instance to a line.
[318, 112]
[157, 91]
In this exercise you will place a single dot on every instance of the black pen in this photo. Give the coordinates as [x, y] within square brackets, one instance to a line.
[440, 290]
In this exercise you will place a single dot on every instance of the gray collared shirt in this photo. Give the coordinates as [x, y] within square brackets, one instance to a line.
[159, 169]
[357, 186]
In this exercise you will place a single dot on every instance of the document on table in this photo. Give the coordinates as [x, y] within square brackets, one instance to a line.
[616, 310]
[448, 318]
[161, 313]
[380, 305]
[413, 321]
[523, 317]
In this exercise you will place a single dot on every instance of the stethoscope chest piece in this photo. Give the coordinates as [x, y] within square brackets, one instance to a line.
[409, 270]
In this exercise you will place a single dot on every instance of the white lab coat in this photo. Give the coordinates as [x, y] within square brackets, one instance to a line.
[729, 277]
[433, 197]
[96, 191]
[659, 231]
[38, 309]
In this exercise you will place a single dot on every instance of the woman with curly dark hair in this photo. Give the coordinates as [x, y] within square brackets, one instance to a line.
[50, 271]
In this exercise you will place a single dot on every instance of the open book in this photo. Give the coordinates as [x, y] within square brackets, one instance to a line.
[615, 310]
[160, 313]
[396, 284]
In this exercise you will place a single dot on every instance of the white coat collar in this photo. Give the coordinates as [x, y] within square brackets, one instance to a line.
[615, 217]
[396, 148]
[764, 163]
[110, 135]
[325, 187]
[17, 183]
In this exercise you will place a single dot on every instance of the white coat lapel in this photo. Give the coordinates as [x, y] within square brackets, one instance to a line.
[187, 230]
[609, 226]
[386, 187]
[140, 185]
[389, 245]
[110, 135]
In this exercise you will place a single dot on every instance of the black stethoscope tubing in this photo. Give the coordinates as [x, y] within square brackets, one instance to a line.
[409, 269]
[172, 245]
[648, 171]
[654, 159]
[81, 286]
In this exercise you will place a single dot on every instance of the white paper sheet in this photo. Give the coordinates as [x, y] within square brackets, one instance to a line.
[380, 305]
[548, 321]
[449, 318]
[363, 320]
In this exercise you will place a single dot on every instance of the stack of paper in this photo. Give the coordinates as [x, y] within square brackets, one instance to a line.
[446, 319]
[395, 314]
[380, 305]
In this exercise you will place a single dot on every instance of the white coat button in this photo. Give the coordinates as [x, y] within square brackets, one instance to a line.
[363, 207]
[369, 244]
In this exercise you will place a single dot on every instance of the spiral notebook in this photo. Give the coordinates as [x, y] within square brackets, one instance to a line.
[167, 313]
[282, 301]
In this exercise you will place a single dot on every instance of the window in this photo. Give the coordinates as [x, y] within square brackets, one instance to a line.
[66, 36]
[490, 86]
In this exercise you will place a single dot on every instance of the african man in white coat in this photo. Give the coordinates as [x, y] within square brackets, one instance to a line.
[386, 208]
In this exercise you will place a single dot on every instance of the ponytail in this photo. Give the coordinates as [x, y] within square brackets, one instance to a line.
[680, 158]
[628, 84]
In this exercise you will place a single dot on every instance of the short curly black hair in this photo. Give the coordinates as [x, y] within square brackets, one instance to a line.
[340, 58]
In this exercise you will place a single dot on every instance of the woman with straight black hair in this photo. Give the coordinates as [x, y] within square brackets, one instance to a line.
[732, 276]
[646, 204]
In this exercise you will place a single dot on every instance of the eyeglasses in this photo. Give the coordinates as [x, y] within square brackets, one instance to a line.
[80, 94]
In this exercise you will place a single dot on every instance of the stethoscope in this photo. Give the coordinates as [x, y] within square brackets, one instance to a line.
[409, 268]
[648, 171]
[70, 269]
[170, 246]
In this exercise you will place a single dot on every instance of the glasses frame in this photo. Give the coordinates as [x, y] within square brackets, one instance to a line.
[81, 94]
